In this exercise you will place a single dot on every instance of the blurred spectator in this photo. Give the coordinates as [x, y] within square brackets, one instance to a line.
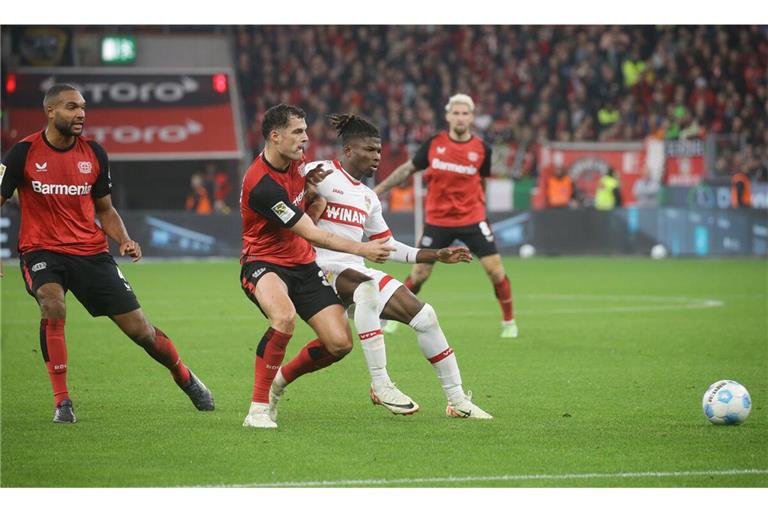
[646, 191]
[741, 190]
[608, 193]
[219, 182]
[566, 83]
[198, 200]
[560, 191]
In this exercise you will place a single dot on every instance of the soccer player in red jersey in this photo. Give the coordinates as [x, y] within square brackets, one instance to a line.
[279, 273]
[64, 186]
[457, 163]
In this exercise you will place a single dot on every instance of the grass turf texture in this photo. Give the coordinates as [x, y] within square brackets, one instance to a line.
[606, 377]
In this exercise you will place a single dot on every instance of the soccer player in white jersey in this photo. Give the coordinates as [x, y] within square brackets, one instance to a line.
[347, 207]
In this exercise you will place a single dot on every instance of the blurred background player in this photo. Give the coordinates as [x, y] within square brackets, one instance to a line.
[279, 273]
[64, 186]
[457, 163]
[347, 207]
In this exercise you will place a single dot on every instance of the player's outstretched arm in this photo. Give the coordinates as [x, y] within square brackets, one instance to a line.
[398, 176]
[316, 208]
[406, 254]
[376, 250]
[113, 226]
[448, 255]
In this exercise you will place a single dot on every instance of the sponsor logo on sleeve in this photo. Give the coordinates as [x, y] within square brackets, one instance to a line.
[283, 212]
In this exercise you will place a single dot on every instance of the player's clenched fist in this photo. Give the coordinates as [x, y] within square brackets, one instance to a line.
[132, 249]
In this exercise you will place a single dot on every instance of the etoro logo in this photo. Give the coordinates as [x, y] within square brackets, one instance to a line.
[126, 134]
[169, 91]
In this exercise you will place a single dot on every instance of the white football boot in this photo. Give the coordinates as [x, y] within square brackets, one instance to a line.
[393, 399]
[509, 329]
[258, 417]
[466, 409]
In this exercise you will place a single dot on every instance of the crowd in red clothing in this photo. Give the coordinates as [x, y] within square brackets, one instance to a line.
[531, 83]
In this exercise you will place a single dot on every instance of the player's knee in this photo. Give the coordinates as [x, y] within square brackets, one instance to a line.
[339, 346]
[425, 319]
[53, 307]
[421, 273]
[143, 334]
[366, 292]
[283, 321]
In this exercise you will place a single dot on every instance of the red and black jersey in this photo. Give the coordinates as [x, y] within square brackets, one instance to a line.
[271, 201]
[455, 195]
[56, 192]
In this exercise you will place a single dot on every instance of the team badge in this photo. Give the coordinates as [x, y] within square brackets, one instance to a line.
[367, 203]
[37, 267]
[85, 167]
[2, 171]
[283, 212]
[473, 156]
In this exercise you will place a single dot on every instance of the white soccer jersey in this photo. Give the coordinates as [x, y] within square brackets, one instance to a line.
[353, 210]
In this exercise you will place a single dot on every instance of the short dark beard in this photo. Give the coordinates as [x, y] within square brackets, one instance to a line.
[64, 128]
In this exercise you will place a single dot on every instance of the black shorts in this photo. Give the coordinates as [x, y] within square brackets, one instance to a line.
[96, 281]
[477, 237]
[308, 289]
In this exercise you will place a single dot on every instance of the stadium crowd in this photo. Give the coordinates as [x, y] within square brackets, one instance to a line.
[531, 83]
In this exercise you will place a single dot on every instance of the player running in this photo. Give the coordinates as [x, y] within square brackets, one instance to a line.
[349, 209]
[279, 273]
[457, 164]
[64, 186]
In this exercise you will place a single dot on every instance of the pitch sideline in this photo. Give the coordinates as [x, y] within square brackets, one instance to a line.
[501, 478]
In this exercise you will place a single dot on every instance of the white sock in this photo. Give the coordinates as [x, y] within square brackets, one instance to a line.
[368, 325]
[279, 381]
[435, 348]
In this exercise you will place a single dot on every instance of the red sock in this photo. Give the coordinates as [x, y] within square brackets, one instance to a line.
[54, 348]
[165, 353]
[312, 357]
[269, 354]
[411, 286]
[504, 294]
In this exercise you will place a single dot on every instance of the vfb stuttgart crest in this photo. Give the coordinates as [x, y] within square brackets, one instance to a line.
[85, 167]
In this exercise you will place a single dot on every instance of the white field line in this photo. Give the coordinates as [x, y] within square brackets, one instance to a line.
[501, 478]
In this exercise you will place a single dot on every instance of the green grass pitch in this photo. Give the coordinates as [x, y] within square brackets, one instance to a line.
[602, 389]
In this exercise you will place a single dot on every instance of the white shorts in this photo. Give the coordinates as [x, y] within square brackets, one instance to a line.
[385, 282]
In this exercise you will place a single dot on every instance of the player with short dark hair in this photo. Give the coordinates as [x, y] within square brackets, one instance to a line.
[279, 273]
[347, 207]
[457, 163]
[64, 186]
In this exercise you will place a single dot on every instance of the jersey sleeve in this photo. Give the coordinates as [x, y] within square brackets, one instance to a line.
[421, 158]
[485, 167]
[375, 225]
[103, 185]
[12, 169]
[270, 200]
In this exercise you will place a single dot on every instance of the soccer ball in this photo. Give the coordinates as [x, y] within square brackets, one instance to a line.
[658, 252]
[726, 402]
[527, 251]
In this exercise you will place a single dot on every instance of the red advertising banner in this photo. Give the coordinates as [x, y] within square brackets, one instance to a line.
[586, 163]
[685, 163]
[139, 115]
